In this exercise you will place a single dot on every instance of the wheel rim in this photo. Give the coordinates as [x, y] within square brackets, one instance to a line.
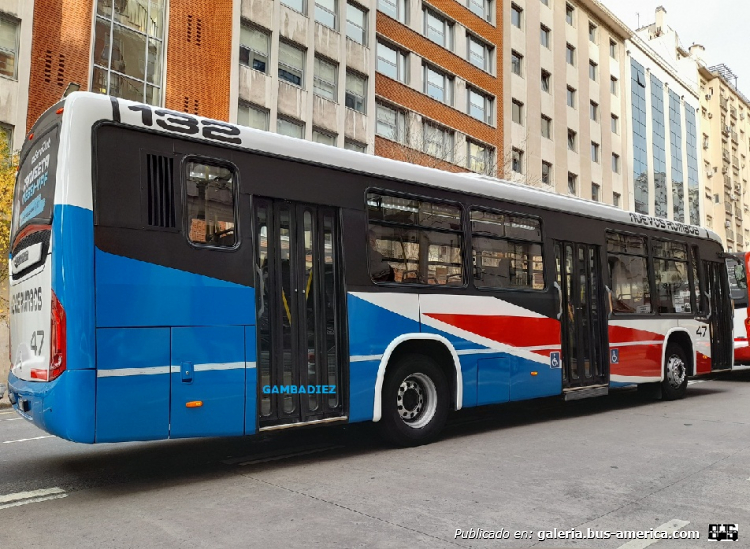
[676, 371]
[416, 400]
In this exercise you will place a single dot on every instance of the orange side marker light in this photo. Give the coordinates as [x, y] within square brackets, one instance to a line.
[194, 404]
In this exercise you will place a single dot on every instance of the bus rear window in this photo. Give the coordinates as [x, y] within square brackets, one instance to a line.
[34, 198]
[737, 278]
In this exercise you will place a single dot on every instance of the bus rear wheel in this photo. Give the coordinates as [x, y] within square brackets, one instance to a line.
[415, 401]
[675, 381]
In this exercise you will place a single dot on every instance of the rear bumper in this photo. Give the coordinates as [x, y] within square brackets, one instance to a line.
[63, 407]
[741, 351]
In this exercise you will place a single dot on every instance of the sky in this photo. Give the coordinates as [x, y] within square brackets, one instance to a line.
[721, 26]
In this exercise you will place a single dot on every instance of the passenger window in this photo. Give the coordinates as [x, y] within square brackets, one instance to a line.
[414, 241]
[210, 205]
[507, 251]
[627, 258]
[695, 260]
[671, 272]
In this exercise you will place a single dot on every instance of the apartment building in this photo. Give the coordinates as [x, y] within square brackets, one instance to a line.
[725, 140]
[15, 53]
[438, 83]
[567, 98]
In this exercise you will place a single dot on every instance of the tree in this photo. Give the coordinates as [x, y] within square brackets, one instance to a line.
[8, 165]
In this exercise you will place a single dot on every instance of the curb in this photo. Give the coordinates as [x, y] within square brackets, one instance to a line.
[4, 405]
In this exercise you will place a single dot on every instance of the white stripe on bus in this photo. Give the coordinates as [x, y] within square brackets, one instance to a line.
[155, 370]
[635, 343]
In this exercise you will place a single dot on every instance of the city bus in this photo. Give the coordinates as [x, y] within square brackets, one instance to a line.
[737, 272]
[174, 276]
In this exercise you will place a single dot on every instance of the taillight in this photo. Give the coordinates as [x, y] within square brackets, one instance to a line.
[57, 352]
[747, 327]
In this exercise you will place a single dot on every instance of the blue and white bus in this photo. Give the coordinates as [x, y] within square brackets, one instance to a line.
[174, 276]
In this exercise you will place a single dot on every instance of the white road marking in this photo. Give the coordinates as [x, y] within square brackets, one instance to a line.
[33, 496]
[32, 500]
[670, 527]
[12, 419]
[26, 439]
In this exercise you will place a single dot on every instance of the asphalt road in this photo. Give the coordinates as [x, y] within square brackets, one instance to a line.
[612, 463]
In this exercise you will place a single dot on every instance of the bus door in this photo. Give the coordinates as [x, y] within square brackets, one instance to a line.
[585, 360]
[300, 305]
[720, 319]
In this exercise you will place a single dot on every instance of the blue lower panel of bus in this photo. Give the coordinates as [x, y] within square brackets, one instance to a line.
[251, 382]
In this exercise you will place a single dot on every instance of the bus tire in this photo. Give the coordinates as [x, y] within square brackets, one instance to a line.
[675, 381]
[415, 401]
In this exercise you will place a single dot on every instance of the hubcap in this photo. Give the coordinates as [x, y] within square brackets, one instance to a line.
[416, 400]
[676, 371]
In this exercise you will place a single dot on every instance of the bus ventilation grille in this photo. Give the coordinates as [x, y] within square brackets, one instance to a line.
[160, 192]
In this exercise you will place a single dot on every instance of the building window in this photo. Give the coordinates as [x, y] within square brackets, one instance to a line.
[480, 157]
[517, 161]
[482, 8]
[438, 85]
[356, 23]
[544, 36]
[613, 87]
[291, 64]
[615, 163]
[595, 192]
[397, 9]
[516, 62]
[210, 208]
[613, 49]
[254, 47]
[517, 112]
[128, 49]
[438, 29]
[572, 135]
[569, 14]
[516, 16]
[8, 47]
[595, 152]
[355, 146]
[571, 98]
[324, 79]
[480, 54]
[546, 172]
[356, 92]
[290, 128]
[594, 111]
[592, 33]
[615, 124]
[593, 70]
[545, 81]
[324, 138]
[480, 106]
[437, 141]
[391, 62]
[545, 2]
[325, 12]
[390, 123]
[572, 184]
[252, 117]
[546, 127]
[296, 5]
[616, 199]
[570, 55]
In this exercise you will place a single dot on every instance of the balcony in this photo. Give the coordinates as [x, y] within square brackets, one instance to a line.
[740, 240]
[730, 234]
[733, 112]
[728, 203]
[725, 155]
[738, 212]
[724, 102]
[725, 130]
[728, 182]
[735, 161]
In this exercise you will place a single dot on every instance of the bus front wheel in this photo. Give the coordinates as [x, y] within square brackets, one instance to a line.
[675, 381]
[415, 401]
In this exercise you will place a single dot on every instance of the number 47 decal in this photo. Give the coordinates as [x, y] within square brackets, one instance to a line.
[701, 331]
[37, 342]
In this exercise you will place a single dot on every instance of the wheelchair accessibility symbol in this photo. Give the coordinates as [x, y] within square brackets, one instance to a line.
[554, 360]
[614, 356]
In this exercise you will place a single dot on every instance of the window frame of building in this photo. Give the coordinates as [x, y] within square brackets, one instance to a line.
[487, 113]
[401, 65]
[516, 63]
[570, 97]
[485, 12]
[447, 142]
[447, 27]
[148, 73]
[516, 162]
[612, 49]
[572, 140]
[596, 152]
[291, 123]
[616, 198]
[546, 127]
[615, 163]
[516, 16]
[296, 5]
[572, 184]
[258, 111]
[546, 81]
[480, 162]
[324, 13]
[547, 172]
[517, 111]
[352, 99]
[545, 36]
[324, 137]
[399, 124]
[250, 55]
[593, 32]
[593, 70]
[570, 15]
[570, 54]
[10, 51]
[301, 69]
[596, 192]
[399, 10]
[594, 111]
[614, 86]
[355, 146]
[615, 124]
[356, 31]
[431, 76]
[322, 86]
[486, 59]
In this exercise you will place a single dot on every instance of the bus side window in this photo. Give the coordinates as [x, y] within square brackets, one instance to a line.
[627, 257]
[695, 262]
[210, 196]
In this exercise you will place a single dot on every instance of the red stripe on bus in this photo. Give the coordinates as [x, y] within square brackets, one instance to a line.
[516, 331]
[620, 334]
[26, 231]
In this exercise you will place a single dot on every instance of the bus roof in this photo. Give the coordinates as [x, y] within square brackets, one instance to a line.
[131, 114]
